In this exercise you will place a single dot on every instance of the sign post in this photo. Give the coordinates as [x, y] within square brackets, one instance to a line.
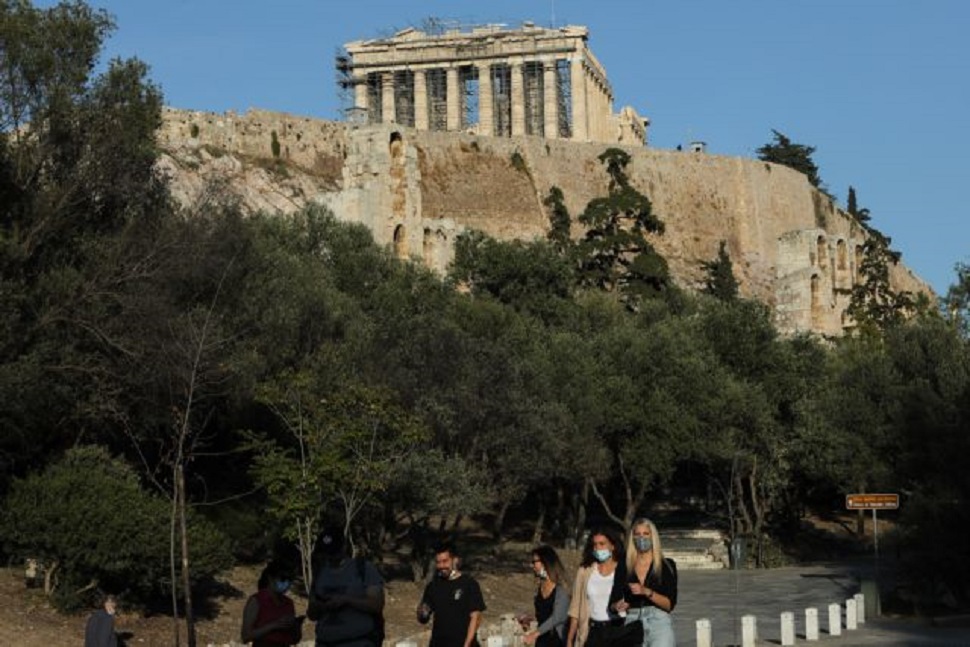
[872, 502]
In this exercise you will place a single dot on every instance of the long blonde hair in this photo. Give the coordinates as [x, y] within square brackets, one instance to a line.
[631, 549]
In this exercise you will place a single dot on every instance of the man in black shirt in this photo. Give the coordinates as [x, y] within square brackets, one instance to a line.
[455, 601]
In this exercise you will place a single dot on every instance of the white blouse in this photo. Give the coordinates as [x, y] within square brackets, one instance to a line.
[598, 590]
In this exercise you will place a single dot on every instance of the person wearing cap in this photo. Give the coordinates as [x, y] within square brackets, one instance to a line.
[269, 618]
[346, 597]
[454, 600]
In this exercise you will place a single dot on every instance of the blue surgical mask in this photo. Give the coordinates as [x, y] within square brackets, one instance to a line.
[643, 544]
[602, 554]
[282, 586]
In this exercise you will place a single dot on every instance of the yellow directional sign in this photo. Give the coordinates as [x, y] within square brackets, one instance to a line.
[871, 501]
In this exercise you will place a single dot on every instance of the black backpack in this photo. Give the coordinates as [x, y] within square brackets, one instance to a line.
[379, 633]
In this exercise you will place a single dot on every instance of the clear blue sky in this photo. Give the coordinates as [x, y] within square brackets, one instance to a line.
[880, 87]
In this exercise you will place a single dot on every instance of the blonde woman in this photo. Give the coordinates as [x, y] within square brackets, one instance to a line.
[651, 592]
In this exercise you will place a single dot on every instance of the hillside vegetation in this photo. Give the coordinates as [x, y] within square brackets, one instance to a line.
[242, 380]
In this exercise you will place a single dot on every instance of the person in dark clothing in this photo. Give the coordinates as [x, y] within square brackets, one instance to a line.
[100, 630]
[346, 596]
[454, 600]
[551, 601]
[651, 585]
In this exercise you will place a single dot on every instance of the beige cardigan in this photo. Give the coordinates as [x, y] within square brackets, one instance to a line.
[579, 605]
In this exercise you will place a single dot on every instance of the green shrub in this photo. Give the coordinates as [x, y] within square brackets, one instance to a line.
[194, 130]
[518, 163]
[275, 145]
[89, 520]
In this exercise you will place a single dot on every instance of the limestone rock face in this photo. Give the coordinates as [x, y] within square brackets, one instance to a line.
[417, 191]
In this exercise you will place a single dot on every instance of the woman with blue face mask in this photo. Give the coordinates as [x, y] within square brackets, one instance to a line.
[651, 591]
[269, 618]
[593, 618]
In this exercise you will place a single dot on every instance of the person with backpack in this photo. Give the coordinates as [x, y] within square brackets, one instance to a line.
[346, 597]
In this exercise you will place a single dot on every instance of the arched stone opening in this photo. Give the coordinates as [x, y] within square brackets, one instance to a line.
[427, 248]
[816, 299]
[821, 252]
[400, 242]
[860, 255]
[841, 255]
[396, 144]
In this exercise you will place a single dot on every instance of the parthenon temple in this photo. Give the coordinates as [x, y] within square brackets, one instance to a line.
[489, 80]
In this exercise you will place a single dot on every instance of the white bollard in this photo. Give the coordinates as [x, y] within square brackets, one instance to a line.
[787, 629]
[860, 608]
[850, 615]
[835, 620]
[811, 623]
[749, 631]
[704, 638]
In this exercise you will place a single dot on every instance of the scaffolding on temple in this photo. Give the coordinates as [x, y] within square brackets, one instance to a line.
[483, 79]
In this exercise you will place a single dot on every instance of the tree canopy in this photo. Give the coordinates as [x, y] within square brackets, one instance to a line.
[784, 151]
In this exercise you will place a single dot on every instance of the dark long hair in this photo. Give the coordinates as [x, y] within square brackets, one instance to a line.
[613, 536]
[273, 570]
[551, 562]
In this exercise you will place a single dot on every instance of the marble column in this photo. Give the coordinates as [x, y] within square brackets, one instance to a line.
[420, 100]
[577, 75]
[454, 99]
[486, 107]
[518, 99]
[360, 95]
[551, 99]
[387, 98]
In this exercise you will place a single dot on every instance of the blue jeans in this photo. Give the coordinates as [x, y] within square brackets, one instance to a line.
[658, 630]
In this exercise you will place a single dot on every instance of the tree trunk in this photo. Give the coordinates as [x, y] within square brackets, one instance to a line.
[173, 570]
[186, 573]
[744, 517]
[499, 524]
[562, 519]
[860, 517]
[49, 579]
[581, 509]
[759, 513]
[540, 522]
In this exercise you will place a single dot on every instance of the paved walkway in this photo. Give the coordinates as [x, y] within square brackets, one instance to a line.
[725, 596]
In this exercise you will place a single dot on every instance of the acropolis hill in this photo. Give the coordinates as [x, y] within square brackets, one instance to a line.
[418, 181]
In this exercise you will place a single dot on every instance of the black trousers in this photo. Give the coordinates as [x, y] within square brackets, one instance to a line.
[615, 635]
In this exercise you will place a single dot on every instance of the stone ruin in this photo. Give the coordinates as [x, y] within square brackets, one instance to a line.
[489, 80]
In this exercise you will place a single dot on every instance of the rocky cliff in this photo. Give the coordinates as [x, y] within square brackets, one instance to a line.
[791, 246]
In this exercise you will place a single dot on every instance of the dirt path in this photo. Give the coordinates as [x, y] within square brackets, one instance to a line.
[27, 620]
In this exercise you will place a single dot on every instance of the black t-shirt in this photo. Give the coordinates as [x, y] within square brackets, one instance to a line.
[666, 586]
[452, 603]
[544, 608]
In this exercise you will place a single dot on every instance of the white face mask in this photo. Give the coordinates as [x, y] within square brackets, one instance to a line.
[602, 554]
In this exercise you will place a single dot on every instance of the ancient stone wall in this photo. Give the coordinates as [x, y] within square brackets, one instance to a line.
[418, 190]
